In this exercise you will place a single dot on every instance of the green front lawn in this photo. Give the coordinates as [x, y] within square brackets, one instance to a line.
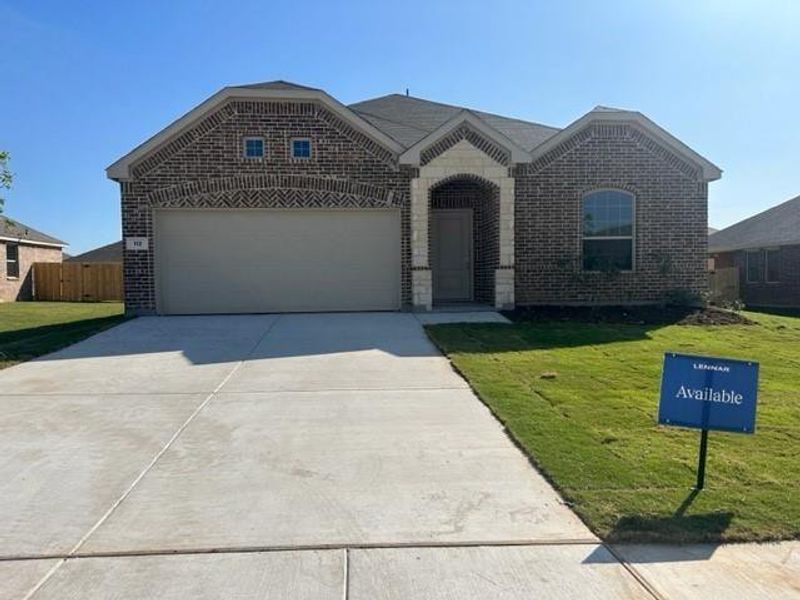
[589, 423]
[30, 329]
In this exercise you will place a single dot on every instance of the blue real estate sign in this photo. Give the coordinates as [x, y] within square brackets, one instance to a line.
[708, 393]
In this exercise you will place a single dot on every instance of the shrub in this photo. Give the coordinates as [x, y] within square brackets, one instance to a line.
[684, 297]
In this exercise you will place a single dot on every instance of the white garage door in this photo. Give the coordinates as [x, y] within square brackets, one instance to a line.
[241, 261]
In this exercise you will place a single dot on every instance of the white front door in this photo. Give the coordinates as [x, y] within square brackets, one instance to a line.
[451, 255]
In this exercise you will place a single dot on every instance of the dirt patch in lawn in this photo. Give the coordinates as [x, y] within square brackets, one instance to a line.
[633, 315]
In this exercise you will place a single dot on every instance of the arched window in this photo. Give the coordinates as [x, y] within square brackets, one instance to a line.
[608, 231]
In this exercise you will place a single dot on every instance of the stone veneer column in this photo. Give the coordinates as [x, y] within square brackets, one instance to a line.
[421, 279]
[504, 275]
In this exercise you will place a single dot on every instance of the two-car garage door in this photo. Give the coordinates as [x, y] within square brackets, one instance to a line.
[242, 261]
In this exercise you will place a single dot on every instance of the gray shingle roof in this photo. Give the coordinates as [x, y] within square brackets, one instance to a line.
[11, 228]
[777, 226]
[108, 253]
[278, 84]
[408, 120]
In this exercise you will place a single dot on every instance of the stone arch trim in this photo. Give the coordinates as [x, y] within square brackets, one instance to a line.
[465, 132]
[235, 107]
[471, 177]
[614, 130]
[281, 191]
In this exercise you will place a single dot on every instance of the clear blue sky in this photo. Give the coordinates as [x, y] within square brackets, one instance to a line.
[83, 82]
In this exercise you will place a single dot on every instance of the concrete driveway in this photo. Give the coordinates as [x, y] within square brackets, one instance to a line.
[293, 456]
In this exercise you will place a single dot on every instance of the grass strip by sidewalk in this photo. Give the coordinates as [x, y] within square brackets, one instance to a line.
[31, 329]
[590, 424]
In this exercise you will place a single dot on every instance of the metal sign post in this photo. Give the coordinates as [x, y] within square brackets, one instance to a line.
[701, 461]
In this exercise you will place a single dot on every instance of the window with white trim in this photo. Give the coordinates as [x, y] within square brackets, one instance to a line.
[253, 147]
[301, 148]
[608, 231]
[12, 261]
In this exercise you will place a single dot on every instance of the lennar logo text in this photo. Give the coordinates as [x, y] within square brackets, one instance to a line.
[707, 367]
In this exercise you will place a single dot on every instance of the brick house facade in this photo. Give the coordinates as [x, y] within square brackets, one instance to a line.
[765, 250]
[524, 183]
[21, 247]
[782, 290]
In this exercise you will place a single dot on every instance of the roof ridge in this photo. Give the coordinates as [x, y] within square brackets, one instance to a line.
[458, 107]
[284, 82]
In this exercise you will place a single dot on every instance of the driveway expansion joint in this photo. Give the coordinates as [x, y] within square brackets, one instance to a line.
[309, 548]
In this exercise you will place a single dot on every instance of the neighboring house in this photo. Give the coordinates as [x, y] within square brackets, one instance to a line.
[20, 247]
[766, 250]
[277, 197]
[110, 253]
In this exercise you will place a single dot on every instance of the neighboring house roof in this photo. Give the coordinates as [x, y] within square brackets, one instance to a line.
[777, 226]
[404, 125]
[712, 230]
[108, 253]
[408, 120]
[12, 230]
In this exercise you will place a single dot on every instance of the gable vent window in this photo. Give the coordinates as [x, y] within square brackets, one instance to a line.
[12, 261]
[608, 231]
[301, 148]
[253, 147]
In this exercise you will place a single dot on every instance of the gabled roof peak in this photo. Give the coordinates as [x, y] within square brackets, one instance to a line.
[612, 109]
[709, 171]
[516, 153]
[277, 84]
[408, 119]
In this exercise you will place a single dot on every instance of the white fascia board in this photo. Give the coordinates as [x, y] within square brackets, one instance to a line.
[25, 242]
[710, 171]
[518, 155]
[120, 170]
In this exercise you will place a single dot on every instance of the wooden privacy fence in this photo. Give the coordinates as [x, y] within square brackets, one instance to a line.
[724, 284]
[77, 282]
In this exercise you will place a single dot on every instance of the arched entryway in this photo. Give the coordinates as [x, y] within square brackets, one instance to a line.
[464, 238]
[491, 186]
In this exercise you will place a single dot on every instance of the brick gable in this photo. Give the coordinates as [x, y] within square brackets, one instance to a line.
[670, 222]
